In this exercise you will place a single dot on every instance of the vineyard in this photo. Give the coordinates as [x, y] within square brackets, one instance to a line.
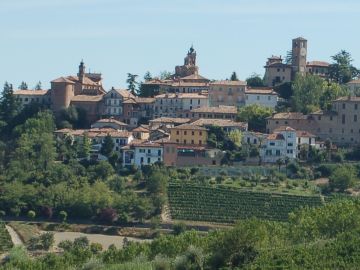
[199, 203]
[5, 240]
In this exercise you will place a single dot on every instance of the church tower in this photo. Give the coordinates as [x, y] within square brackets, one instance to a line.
[81, 73]
[299, 53]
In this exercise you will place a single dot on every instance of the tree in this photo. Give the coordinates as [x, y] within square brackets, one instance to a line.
[288, 58]
[85, 147]
[332, 91]
[38, 86]
[9, 105]
[147, 76]
[307, 93]
[63, 216]
[255, 115]
[342, 178]
[107, 146]
[255, 81]
[284, 90]
[164, 75]
[23, 86]
[234, 77]
[341, 70]
[132, 83]
[236, 137]
[31, 214]
[279, 162]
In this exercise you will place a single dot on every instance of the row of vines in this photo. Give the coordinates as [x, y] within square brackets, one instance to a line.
[200, 203]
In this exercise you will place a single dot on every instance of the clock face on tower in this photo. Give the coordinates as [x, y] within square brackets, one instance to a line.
[303, 52]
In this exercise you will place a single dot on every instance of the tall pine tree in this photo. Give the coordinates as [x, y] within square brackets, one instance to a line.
[9, 105]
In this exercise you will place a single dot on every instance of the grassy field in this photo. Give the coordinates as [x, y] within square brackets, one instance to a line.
[215, 204]
[5, 240]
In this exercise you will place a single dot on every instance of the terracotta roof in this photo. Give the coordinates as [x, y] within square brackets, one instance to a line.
[219, 123]
[140, 129]
[228, 82]
[283, 128]
[111, 120]
[260, 91]
[189, 84]
[147, 144]
[181, 95]
[219, 109]
[124, 93]
[191, 147]
[278, 64]
[62, 80]
[348, 98]
[144, 100]
[96, 132]
[170, 120]
[31, 92]
[275, 136]
[302, 133]
[86, 98]
[288, 115]
[318, 63]
[357, 81]
[194, 77]
[129, 101]
[189, 127]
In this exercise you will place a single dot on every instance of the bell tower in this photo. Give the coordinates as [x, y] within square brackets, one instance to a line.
[299, 53]
[81, 73]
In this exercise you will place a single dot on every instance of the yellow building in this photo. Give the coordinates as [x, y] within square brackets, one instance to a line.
[188, 134]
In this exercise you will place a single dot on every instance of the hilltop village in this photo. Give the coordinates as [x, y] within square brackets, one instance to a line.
[175, 120]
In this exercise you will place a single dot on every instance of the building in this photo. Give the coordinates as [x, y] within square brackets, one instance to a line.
[228, 93]
[142, 153]
[113, 102]
[276, 72]
[354, 86]
[320, 68]
[191, 155]
[188, 134]
[266, 97]
[166, 123]
[65, 89]
[26, 97]
[137, 110]
[90, 104]
[306, 141]
[340, 124]
[142, 132]
[178, 105]
[226, 124]
[110, 123]
[279, 145]
[219, 112]
[254, 138]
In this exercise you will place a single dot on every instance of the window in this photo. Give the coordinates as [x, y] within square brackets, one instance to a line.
[185, 132]
[142, 150]
[278, 70]
[177, 132]
[200, 142]
[343, 106]
[192, 141]
[272, 144]
[177, 140]
[149, 151]
[257, 97]
[319, 117]
[200, 133]
[141, 160]
[269, 97]
[355, 118]
[331, 118]
[356, 106]
[290, 144]
[199, 101]
[184, 141]
[148, 160]
[277, 152]
[343, 119]
[190, 101]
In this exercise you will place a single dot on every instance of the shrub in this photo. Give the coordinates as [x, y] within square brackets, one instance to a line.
[47, 212]
[31, 214]
[2, 213]
[63, 216]
[179, 228]
[81, 242]
[96, 248]
[108, 215]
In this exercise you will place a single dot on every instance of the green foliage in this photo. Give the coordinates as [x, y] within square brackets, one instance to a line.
[63, 215]
[255, 81]
[255, 115]
[342, 178]
[132, 83]
[31, 214]
[234, 77]
[107, 146]
[341, 70]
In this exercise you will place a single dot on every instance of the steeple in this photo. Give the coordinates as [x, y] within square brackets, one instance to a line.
[81, 73]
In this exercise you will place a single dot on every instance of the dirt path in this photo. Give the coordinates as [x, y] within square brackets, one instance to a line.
[14, 236]
[104, 240]
[165, 214]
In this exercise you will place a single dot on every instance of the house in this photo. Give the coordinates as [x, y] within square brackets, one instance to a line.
[189, 134]
[266, 97]
[226, 124]
[228, 93]
[254, 138]
[176, 154]
[166, 123]
[113, 102]
[142, 132]
[354, 86]
[178, 104]
[109, 123]
[295, 120]
[319, 68]
[279, 145]
[219, 112]
[305, 141]
[97, 136]
[26, 97]
[142, 153]
[276, 72]
[88, 103]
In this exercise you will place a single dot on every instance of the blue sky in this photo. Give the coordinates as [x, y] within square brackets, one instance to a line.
[46, 39]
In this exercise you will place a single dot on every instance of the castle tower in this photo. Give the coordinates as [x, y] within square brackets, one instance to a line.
[189, 67]
[81, 73]
[299, 52]
[190, 59]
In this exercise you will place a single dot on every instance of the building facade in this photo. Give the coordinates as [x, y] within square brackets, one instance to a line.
[263, 97]
[188, 134]
[228, 93]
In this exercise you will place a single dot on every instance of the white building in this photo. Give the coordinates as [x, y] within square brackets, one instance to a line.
[113, 102]
[254, 138]
[142, 153]
[279, 145]
[26, 97]
[178, 104]
[265, 97]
